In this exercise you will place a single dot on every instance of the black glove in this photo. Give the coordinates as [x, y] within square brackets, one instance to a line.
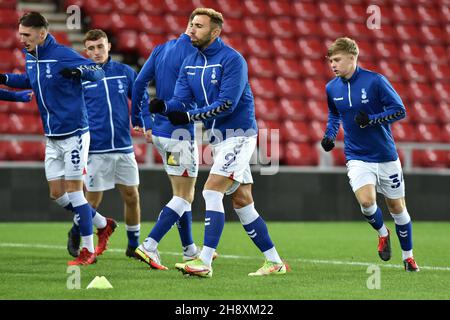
[179, 117]
[156, 106]
[70, 73]
[327, 144]
[2, 78]
[362, 119]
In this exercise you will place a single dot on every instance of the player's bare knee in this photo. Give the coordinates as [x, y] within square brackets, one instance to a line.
[131, 197]
[367, 203]
[241, 198]
[396, 208]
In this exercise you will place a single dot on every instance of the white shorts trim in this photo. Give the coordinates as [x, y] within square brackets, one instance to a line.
[106, 170]
[66, 158]
[386, 176]
[180, 157]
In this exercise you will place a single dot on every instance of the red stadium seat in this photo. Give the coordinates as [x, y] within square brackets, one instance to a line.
[26, 151]
[421, 112]
[432, 34]
[8, 18]
[126, 6]
[4, 123]
[293, 109]
[176, 24]
[311, 48]
[338, 156]
[358, 30]
[179, 7]
[101, 21]
[441, 91]
[317, 130]
[154, 24]
[439, 72]
[332, 29]
[403, 14]
[444, 12]
[331, 11]
[403, 132]
[289, 68]
[235, 41]
[140, 151]
[25, 124]
[289, 88]
[315, 88]
[98, 6]
[260, 67]
[255, 8]
[296, 131]
[8, 4]
[391, 69]
[419, 91]
[446, 133]
[429, 158]
[18, 59]
[270, 151]
[282, 27]
[9, 38]
[263, 87]
[412, 52]
[233, 8]
[316, 68]
[280, 8]
[127, 41]
[416, 71]
[406, 32]
[233, 26]
[268, 124]
[435, 53]
[355, 12]
[256, 27]
[301, 154]
[428, 133]
[307, 28]
[427, 15]
[305, 10]
[286, 48]
[24, 107]
[317, 110]
[4, 146]
[444, 112]
[154, 7]
[6, 62]
[386, 50]
[147, 43]
[267, 109]
[385, 33]
[259, 47]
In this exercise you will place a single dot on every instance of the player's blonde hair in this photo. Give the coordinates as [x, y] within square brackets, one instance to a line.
[215, 16]
[343, 45]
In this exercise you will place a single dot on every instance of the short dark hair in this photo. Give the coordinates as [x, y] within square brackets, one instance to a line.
[94, 34]
[33, 19]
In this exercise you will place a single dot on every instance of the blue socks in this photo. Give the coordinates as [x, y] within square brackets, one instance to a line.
[214, 223]
[184, 225]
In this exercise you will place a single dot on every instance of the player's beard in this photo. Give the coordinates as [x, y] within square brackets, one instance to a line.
[201, 43]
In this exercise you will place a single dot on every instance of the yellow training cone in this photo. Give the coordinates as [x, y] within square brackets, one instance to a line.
[99, 283]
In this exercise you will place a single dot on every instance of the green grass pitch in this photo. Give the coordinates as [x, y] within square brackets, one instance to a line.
[329, 260]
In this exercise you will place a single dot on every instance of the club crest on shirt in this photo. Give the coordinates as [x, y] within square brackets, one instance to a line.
[364, 96]
[48, 71]
[214, 76]
[120, 85]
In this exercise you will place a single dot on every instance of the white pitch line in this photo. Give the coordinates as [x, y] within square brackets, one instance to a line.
[226, 256]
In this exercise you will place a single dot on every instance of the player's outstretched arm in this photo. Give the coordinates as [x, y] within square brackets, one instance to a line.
[15, 80]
